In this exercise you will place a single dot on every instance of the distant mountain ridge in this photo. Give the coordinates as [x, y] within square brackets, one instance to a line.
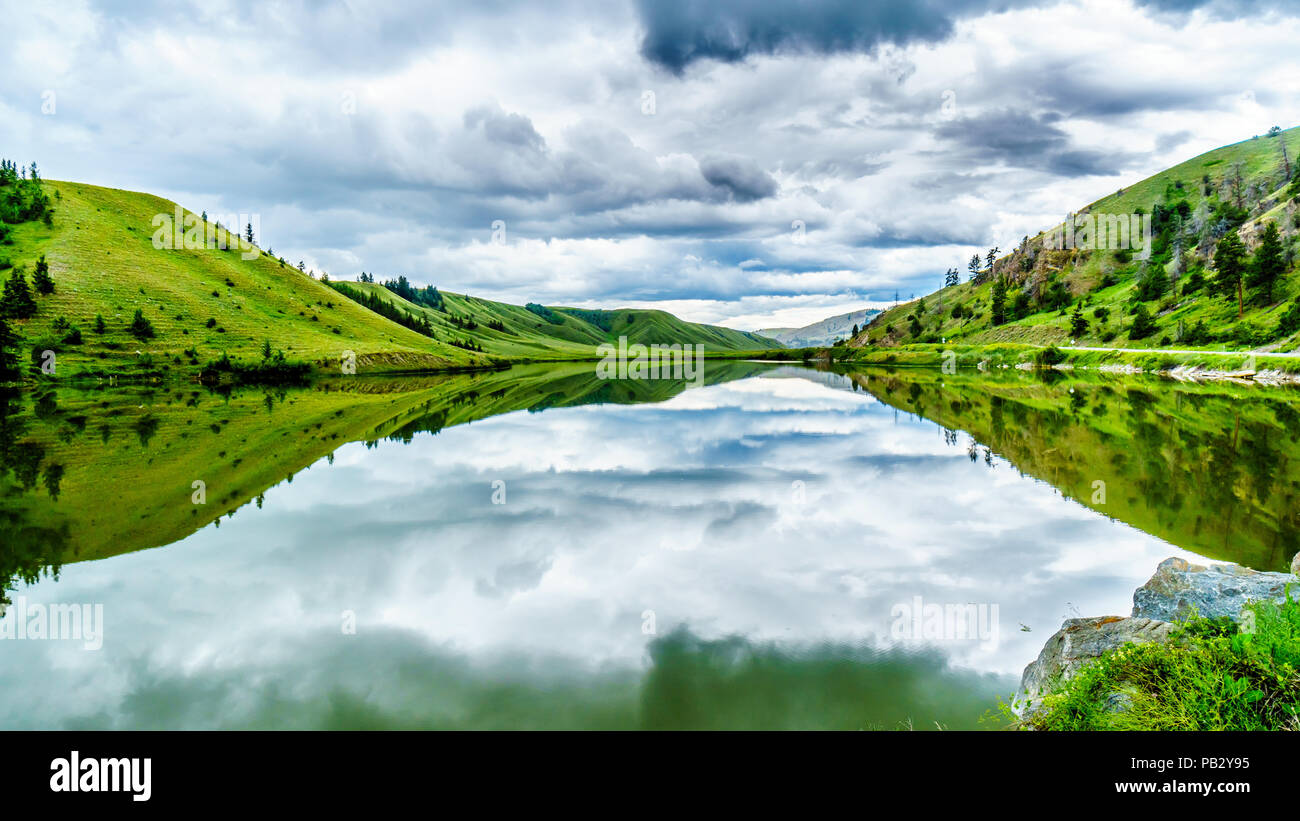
[820, 334]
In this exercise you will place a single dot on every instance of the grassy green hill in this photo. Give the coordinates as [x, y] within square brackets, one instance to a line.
[1240, 187]
[204, 303]
[201, 303]
[516, 332]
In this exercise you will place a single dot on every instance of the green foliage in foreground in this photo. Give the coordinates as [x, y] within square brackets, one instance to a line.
[1212, 676]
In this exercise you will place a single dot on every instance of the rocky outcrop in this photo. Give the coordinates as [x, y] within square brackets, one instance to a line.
[1078, 642]
[1179, 589]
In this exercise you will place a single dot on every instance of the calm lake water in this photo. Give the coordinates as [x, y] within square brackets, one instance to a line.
[538, 549]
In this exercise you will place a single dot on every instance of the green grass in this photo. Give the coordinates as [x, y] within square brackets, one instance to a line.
[1211, 676]
[101, 255]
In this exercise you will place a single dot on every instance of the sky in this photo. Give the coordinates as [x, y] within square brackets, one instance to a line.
[741, 162]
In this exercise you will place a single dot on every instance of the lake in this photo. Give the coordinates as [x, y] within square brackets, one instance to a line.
[783, 547]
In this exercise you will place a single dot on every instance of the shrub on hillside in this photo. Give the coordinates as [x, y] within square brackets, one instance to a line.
[1289, 322]
[1049, 356]
[1143, 325]
[141, 328]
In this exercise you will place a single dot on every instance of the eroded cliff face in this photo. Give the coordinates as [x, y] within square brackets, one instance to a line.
[1177, 591]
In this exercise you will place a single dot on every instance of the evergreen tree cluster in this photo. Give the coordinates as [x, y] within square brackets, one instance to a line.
[1236, 270]
[385, 309]
[545, 313]
[467, 344]
[465, 323]
[427, 296]
[21, 197]
[16, 301]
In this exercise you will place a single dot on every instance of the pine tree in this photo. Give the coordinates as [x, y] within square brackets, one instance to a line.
[42, 281]
[17, 301]
[1269, 264]
[248, 233]
[1230, 263]
[998, 301]
[1078, 325]
[1143, 324]
[99, 324]
[141, 328]
[974, 266]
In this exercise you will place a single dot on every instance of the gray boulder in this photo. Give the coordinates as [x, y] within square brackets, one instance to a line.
[1178, 588]
[1078, 642]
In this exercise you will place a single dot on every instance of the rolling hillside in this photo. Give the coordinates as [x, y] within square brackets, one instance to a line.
[520, 333]
[1192, 206]
[202, 303]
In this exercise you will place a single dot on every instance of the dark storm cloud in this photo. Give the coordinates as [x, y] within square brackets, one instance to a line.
[679, 32]
[742, 178]
[1088, 86]
[1021, 139]
[1086, 90]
